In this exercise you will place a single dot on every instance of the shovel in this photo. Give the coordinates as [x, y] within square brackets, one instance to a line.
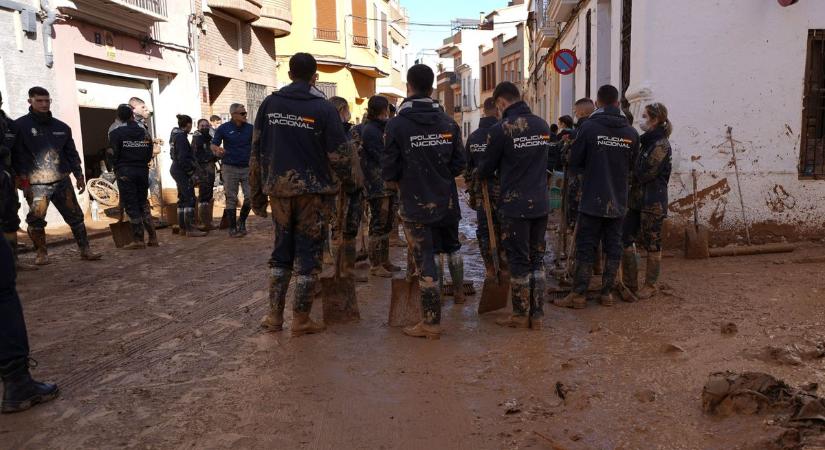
[496, 289]
[121, 231]
[405, 299]
[340, 304]
[697, 236]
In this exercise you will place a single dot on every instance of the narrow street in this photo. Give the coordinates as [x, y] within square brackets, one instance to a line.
[161, 349]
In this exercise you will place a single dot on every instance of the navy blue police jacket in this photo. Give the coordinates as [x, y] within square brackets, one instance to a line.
[651, 173]
[423, 154]
[298, 146]
[183, 159]
[131, 146]
[41, 142]
[8, 133]
[518, 151]
[372, 146]
[476, 148]
[602, 155]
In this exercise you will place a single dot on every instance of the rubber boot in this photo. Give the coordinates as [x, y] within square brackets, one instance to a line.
[191, 230]
[21, 266]
[520, 295]
[181, 222]
[611, 269]
[456, 265]
[242, 218]
[233, 222]
[278, 285]
[430, 325]
[576, 298]
[38, 237]
[385, 256]
[86, 253]
[204, 216]
[20, 391]
[137, 238]
[630, 273]
[150, 231]
[377, 259]
[306, 287]
[652, 271]
[348, 262]
[538, 281]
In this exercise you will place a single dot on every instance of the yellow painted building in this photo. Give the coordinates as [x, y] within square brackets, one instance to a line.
[360, 46]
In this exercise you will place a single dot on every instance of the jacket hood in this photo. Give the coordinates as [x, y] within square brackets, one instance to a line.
[487, 122]
[421, 110]
[40, 117]
[652, 136]
[300, 90]
[610, 117]
[517, 109]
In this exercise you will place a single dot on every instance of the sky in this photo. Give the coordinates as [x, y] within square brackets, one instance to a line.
[424, 38]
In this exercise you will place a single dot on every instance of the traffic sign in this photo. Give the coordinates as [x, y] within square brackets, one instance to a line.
[565, 61]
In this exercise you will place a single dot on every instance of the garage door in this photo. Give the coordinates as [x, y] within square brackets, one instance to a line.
[103, 91]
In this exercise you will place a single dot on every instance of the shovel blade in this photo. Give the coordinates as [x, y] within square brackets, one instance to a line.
[405, 302]
[340, 304]
[696, 242]
[494, 294]
[121, 233]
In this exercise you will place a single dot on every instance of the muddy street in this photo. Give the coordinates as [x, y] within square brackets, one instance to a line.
[161, 349]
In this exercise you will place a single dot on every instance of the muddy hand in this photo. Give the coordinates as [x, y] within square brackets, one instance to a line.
[81, 184]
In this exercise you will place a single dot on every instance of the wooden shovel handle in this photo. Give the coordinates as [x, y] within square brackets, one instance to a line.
[491, 230]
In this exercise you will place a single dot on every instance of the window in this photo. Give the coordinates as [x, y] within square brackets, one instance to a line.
[813, 109]
[329, 89]
[385, 51]
[255, 95]
[326, 27]
[360, 36]
[588, 44]
[488, 77]
[376, 28]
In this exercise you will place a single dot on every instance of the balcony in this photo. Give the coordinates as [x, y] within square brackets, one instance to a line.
[322, 34]
[246, 10]
[385, 51]
[560, 10]
[133, 15]
[276, 15]
[360, 41]
[547, 35]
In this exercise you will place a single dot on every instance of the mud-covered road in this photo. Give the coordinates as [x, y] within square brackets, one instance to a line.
[161, 349]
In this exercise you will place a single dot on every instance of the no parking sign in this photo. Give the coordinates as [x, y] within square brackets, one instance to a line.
[565, 61]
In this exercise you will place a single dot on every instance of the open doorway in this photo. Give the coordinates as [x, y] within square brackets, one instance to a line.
[94, 129]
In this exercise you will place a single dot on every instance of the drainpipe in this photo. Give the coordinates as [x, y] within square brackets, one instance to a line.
[48, 28]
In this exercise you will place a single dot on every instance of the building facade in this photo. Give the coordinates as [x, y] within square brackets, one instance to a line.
[765, 84]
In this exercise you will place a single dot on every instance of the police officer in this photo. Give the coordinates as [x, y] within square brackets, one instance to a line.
[476, 148]
[423, 155]
[601, 155]
[518, 150]
[298, 150]
[205, 171]
[44, 155]
[233, 142]
[183, 168]
[131, 154]
[381, 198]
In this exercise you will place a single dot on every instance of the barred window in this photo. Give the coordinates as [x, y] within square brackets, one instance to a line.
[812, 164]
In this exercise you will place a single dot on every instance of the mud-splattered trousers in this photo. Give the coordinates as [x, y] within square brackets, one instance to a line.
[590, 230]
[14, 342]
[523, 241]
[133, 185]
[428, 240]
[382, 210]
[9, 220]
[643, 228]
[61, 193]
[206, 181]
[299, 241]
[186, 188]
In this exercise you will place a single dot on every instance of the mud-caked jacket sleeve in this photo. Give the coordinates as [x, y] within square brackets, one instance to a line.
[649, 164]
[185, 158]
[391, 162]
[458, 159]
[491, 160]
[335, 140]
[259, 199]
[116, 142]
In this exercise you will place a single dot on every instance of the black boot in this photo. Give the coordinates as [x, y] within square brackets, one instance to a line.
[232, 218]
[242, 218]
[576, 299]
[538, 280]
[137, 237]
[611, 268]
[150, 231]
[191, 230]
[20, 391]
[182, 221]
[86, 253]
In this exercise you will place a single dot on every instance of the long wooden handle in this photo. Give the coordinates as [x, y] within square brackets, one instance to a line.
[695, 203]
[339, 241]
[491, 230]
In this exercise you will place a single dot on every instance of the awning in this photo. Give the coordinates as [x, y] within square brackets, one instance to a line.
[370, 71]
[390, 91]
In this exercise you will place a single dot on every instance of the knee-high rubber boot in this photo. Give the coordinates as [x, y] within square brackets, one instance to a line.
[232, 218]
[21, 266]
[191, 231]
[86, 253]
[630, 273]
[245, 209]
[137, 237]
[38, 237]
[182, 221]
[20, 391]
[520, 295]
[456, 265]
[611, 269]
[538, 281]
[205, 216]
[652, 271]
[376, 254]
[581, 280]
[150, 231]
[278, 285]
[306, 287]
[430, 325]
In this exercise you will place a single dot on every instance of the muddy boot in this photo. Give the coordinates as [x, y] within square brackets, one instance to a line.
[385, 256]
[150, 231]
[576, 298]
[306, 288]
[424, 330]
[278, 285]
[20, 391]
[38, 237]
[652, 271]
[630, 274]
[21, 266]
[430, 325]
[456, 265]
[242, 218]
[204, 216]
[232, 218]
[611, 269]
[377, 259]
[520, 294]
[348, 260]
[538, 281]
[86, 253]
[137, 238]
[189, 224]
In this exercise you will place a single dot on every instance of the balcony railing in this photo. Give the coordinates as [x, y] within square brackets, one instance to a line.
[457, 109]
[361, 41]
[326, 35]
[154, 6]
[385, 51]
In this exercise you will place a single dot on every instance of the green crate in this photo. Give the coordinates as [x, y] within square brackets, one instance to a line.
[555, 198]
